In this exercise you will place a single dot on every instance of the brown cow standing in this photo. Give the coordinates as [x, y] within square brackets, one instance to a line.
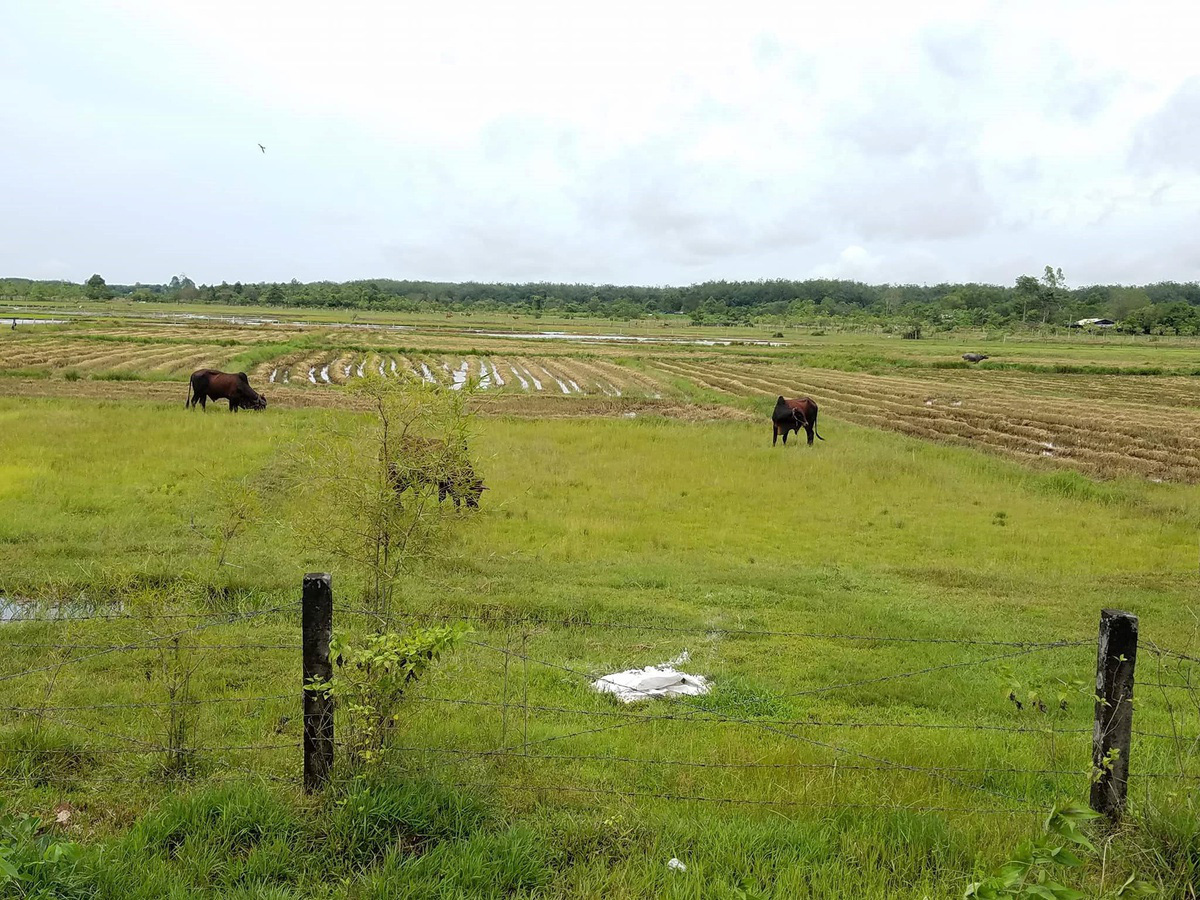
[209, 384]
[792, 415]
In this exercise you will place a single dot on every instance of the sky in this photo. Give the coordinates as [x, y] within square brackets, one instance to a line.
[651, 142]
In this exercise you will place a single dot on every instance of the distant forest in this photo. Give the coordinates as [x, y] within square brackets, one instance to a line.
[1040, 302]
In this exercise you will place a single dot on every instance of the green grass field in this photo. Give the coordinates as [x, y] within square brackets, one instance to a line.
[831, 760]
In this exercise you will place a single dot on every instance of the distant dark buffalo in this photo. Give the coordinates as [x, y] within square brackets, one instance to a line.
[209, 384]
[974, 357]
[429, 462]
[792, 415]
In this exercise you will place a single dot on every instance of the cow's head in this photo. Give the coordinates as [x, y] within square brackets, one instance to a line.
[260, 402]
[474, 491]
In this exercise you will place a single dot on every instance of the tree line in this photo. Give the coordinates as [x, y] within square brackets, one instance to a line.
[1165, 307]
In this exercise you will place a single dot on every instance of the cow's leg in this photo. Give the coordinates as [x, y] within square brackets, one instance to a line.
[774, 433]
[204, 402]
[809, 428]
[785, 434]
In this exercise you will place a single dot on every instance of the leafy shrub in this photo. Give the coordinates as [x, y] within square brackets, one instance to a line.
[1032, 872]
[36, 863]
[372, 675]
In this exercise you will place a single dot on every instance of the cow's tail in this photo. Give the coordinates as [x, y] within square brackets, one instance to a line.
[817, 433]
[188, 402]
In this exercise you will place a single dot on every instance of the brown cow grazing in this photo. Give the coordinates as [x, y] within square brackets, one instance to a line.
[792, 415]
[209, 384]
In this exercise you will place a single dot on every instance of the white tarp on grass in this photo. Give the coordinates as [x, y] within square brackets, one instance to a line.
[653, 681]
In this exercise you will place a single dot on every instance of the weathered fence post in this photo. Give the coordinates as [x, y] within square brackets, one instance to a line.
[317, 626]
[1116, 657]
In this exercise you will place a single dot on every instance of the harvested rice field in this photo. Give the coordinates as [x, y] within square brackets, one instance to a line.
[1099, 417]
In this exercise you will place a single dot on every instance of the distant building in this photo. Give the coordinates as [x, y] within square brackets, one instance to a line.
[1093, 323]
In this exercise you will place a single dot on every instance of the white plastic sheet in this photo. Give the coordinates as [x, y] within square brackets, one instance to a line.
[653, 681]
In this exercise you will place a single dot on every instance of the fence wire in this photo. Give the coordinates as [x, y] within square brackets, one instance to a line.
[789, 731]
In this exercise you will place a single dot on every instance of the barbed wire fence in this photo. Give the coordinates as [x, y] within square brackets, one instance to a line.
[295, 743]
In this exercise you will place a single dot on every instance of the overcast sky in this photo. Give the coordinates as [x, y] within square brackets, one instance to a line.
[643, 142]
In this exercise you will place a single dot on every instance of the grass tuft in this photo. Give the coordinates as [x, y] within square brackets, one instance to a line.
[41, 754]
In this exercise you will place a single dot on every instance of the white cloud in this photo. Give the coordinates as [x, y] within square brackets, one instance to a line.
[621, 142]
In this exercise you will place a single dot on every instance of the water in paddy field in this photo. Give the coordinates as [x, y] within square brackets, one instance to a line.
[561, 384]
[622, 339]
[36, 321]
[524, 383]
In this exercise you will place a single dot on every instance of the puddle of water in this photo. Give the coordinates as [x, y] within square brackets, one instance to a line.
[520, 378]
[459, 375]
[427, 375]
[620, 339]
[496, 375]
[274, 372]
[537, 385]
[14, 610]
[325, 375]
[312, 374]
[19, 321]
[203, 317]
[485, 379]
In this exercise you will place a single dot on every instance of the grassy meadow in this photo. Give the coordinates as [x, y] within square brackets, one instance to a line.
[864, 739]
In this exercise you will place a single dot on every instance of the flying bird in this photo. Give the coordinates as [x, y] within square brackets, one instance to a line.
[262, 148]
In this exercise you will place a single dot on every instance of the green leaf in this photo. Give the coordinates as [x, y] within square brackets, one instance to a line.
[1040, 890]
[1062, 892]
[8, 872]
[1134, 888]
